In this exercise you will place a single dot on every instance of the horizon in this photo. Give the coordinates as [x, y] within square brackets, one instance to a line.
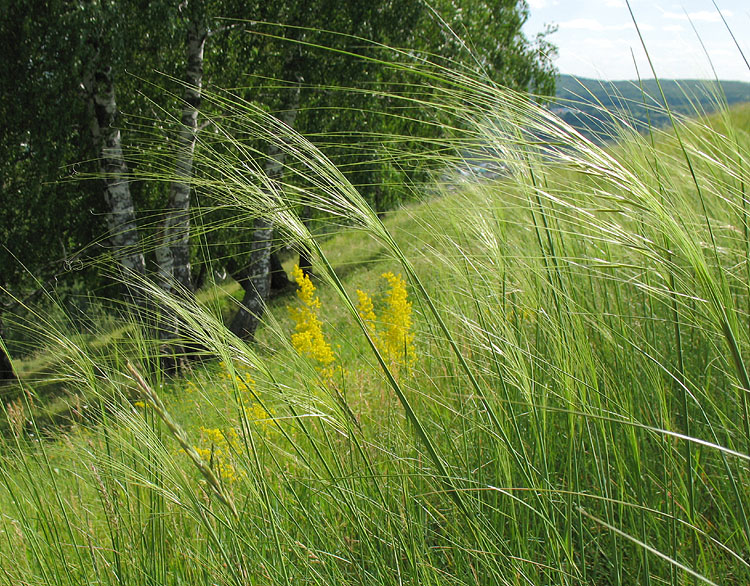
[645, 79]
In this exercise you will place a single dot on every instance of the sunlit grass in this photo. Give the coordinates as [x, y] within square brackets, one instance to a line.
[569, 406]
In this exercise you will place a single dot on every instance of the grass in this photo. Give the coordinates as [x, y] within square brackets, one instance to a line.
[576, 414]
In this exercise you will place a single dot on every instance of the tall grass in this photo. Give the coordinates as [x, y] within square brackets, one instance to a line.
[576, 412]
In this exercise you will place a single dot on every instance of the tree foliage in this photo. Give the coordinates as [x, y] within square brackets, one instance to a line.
[263, 52]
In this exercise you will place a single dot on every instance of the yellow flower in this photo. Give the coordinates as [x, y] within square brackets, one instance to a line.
[219, 449]
[365, 308]
[398, 339]
[257, 414]
[306, 290]
[366, 311]
[308, 338]
[394, 338]
[214, 435]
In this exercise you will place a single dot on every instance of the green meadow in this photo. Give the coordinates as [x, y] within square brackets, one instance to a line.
[535, 376]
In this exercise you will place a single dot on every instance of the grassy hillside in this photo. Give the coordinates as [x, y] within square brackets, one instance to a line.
[594, 106]
[539, 379]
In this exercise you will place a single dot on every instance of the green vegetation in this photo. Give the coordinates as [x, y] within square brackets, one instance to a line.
[532, 373]
[568, 403]
[113, 91]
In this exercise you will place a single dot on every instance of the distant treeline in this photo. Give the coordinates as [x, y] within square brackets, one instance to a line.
[594, 106]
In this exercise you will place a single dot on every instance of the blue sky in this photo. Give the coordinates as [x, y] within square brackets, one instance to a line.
[595, 37]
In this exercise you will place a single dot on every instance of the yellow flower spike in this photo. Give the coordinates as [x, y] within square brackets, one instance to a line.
[365, 308]
[308, 338]
[366, 311]
[257, 414]
[398, 340]
[306, 290]
[219, 448]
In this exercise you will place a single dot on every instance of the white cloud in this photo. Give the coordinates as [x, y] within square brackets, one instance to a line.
[590, 24]
[540, 4]
[597, 38]
[591, 46]
[699, 16]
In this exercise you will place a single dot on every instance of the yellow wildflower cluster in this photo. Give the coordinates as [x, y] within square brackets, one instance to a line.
[399, 341]
[240, 377]
[396, 342]
[391, 334]
[219, 450]
[308, 338]
[257, 414]
[366, 309]
[245, 384]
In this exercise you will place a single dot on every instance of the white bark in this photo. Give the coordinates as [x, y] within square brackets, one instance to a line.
[121, 221]
[173, 255]
[257, 283]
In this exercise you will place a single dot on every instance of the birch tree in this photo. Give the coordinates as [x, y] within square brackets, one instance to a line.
[289, 61]
[499, 50]
[121, 220]
[173, 254]
[6, 367]
[256, 277]
[101, 31]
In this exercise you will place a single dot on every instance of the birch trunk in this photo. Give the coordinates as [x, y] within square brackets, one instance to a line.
[121, 222]
[257, 284]
[279, 281]
[173, 255]
[257, 279]
[6, 367]
[173, 252]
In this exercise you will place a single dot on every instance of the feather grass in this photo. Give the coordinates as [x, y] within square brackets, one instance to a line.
[576, 413]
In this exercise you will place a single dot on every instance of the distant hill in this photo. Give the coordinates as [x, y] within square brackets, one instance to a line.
[584, 103]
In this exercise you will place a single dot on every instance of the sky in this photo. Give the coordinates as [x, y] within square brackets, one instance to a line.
[597, 38]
